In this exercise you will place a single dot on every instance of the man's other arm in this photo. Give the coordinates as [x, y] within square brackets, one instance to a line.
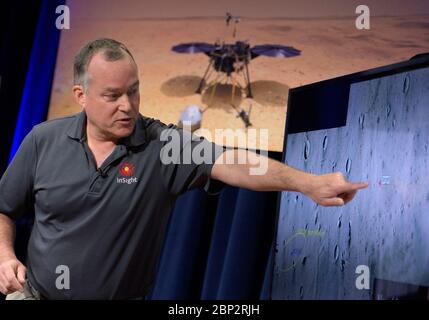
[12, 271]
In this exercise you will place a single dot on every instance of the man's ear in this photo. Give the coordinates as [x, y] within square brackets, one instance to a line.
[79, 94]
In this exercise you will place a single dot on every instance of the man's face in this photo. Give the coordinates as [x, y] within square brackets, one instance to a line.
[111, 99]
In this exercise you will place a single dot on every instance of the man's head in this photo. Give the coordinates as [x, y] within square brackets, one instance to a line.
[106, 85]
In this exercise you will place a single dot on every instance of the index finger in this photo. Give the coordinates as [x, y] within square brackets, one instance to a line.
[358, 185]
[352, 186]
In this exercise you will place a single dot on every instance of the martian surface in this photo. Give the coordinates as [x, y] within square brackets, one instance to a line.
[330, 47]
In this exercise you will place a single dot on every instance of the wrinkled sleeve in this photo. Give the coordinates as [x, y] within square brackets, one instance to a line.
[16, 184]
[187, 161]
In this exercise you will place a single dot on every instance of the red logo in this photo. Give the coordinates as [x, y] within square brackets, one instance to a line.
[126, 169]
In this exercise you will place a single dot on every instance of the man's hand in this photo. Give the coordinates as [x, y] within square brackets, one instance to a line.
[332, 189]
[12, 275]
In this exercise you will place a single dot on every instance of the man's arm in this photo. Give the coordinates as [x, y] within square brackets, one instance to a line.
[12, 271]
[327, 190]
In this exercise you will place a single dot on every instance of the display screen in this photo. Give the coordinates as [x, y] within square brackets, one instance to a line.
[377, 246]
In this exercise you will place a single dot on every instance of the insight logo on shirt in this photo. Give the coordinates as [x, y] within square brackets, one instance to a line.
[126, 170]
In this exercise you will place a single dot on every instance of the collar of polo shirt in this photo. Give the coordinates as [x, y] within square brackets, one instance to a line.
[137, 138]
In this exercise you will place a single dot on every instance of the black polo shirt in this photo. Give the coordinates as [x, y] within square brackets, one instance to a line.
[106, 226]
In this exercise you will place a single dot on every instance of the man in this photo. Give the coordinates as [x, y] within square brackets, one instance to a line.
[102, 192]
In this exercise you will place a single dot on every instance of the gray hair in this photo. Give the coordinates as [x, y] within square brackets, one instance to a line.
[112, 50]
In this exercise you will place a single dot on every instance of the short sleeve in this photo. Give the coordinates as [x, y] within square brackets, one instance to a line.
[16, 184]
[187, 161]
